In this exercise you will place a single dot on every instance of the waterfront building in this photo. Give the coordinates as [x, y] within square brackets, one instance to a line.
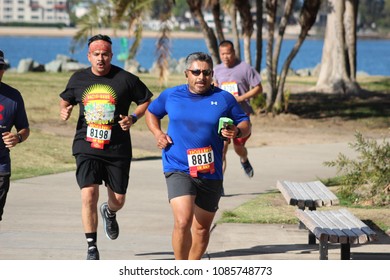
[38, 12]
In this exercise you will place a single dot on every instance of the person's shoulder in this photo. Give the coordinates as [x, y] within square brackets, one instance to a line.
[9, 91]
[7, 88]
[177, 89]
[219, 67]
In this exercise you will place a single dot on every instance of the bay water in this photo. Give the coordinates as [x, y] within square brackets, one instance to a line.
[373, 56]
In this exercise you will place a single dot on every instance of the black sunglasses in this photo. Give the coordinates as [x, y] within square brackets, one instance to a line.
[197, 72]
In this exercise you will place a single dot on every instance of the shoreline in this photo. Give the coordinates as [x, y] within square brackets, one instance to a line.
[70, 32]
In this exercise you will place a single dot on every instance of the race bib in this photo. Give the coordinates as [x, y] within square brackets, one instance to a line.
[231, 87]
[98, 135]
[200, 160]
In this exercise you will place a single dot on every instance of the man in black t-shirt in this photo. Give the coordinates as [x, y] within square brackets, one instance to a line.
[12, 114]
[102, 143]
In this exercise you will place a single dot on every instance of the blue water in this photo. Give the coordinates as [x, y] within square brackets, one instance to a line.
[373, 56]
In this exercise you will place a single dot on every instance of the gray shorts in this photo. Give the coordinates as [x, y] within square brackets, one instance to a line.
[207, 192]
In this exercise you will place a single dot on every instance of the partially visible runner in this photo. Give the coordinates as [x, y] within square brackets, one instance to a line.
[12, 114]
[244, 82]
[102, 144]
[192, 151]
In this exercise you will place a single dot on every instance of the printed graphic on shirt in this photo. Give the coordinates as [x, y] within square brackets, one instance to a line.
[231, 87]
[99, 107]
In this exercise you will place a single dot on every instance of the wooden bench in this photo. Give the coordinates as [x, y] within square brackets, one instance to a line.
[307, 194]
[336, 226]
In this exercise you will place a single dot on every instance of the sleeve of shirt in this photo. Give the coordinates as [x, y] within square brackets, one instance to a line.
[142, 93]
[157, 107]
[68, 93]
[254, 77]
[21, 120]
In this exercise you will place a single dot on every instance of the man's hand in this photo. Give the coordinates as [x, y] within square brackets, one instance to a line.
[10, 140]
[65, 112]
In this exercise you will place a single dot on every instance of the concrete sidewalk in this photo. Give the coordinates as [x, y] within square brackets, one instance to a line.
[42, 215]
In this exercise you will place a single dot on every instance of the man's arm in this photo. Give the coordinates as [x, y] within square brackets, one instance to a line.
[251, 93]
[65, 109]
[154, 125]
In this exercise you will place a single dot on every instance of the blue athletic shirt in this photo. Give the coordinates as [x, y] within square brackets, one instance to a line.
[193, 123]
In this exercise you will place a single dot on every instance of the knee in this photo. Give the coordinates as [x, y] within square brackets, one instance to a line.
[182, 224]
[89, 195]
[118, 202]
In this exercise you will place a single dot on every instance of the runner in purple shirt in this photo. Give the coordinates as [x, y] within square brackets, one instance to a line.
[244, 82]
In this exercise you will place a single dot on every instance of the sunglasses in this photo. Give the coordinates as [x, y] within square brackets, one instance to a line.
[197, 72]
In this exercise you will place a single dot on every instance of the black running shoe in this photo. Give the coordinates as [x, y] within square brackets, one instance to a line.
[93, 254]
[248, 168]
[109, 222]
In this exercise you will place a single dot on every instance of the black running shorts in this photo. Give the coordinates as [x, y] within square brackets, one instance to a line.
[207, 192]
[94, 170]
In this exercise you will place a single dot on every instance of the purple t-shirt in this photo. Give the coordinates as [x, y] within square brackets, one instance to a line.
[237, 80]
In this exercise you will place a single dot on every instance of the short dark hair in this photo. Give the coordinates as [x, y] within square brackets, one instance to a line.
[226, 43]
[99, 37]
[200, 56]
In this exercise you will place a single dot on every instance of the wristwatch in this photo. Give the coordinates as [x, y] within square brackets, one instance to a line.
[19, 137]
[134, 118]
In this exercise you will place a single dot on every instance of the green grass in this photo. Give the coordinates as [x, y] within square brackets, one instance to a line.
[271, 208]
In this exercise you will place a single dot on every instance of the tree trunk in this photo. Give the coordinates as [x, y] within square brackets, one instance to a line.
[334, 77]
[351, 7]
[236, 37]
[259, 34]
[216, 10]
[282, 28]
[271, 18]
[210, 39]
[244, 8]
[307, 18]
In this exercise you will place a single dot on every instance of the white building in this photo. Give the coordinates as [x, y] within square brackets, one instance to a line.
[34, 11]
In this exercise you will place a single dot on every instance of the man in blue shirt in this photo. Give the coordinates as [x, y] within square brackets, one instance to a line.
[192, 151]
[12, 113]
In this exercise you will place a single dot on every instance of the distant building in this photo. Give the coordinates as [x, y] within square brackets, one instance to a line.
[34, 12]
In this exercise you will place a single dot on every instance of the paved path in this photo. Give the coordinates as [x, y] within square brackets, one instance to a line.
[42, 215]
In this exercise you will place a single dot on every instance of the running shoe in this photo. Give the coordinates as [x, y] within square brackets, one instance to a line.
[247, 168]
[93, 254]
[109, 222]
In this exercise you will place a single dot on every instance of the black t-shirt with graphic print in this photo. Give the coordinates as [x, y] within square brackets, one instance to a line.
[101, 100]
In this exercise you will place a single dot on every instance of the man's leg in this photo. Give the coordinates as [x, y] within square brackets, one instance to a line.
[200, 232]
[242, 152]
[89, 200]
[224, 152]
[183, 211]
[4, 188]
[108, 211]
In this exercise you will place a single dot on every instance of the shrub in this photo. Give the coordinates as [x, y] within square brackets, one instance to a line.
[366, 179]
